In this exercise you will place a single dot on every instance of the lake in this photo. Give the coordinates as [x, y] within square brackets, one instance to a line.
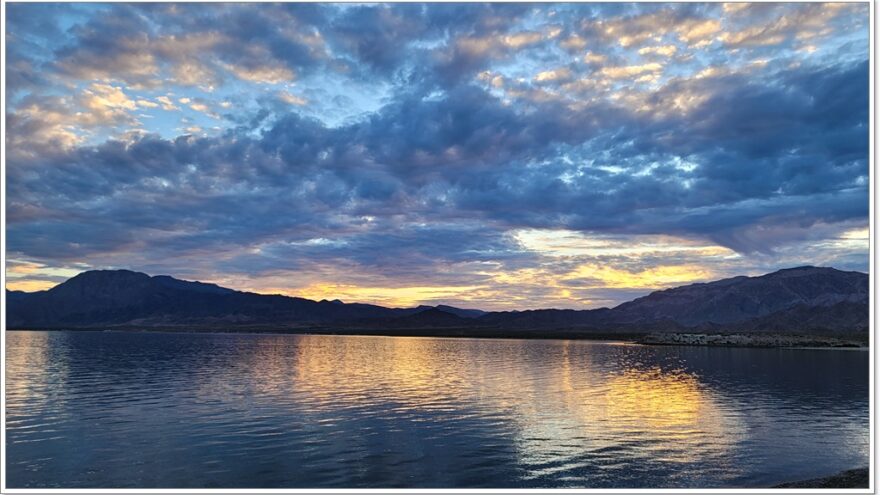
[120, 410]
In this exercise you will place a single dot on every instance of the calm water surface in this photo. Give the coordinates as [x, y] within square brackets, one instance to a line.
[109, 409]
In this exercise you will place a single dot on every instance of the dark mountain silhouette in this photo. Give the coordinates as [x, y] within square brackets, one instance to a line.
[464, 313]
[843, 317]
[796, 300]
[548, 318]
[429, 318]
[18, 295]
[739, 299]
[121, 297]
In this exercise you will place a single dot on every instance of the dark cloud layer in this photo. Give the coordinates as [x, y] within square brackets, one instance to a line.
[460, 155]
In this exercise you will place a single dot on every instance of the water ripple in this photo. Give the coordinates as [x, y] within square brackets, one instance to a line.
[116, 410]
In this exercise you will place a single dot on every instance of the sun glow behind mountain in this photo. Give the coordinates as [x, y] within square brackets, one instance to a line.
[500, 156]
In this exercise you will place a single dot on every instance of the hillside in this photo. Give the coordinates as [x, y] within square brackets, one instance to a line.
[796, 300]
[740, 299]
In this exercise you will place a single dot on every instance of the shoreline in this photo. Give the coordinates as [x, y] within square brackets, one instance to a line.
[690, 339]
[851, 478]
[771, 340]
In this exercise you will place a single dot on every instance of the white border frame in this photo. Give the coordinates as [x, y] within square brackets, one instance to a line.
[872, 305]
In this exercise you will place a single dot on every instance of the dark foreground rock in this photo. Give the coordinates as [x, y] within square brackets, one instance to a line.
[751, 340]
[854, 478]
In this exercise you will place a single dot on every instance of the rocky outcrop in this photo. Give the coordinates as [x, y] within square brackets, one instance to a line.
[853, 478]
[750, 340]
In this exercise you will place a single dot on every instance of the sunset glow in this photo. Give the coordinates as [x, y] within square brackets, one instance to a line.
[495, 156]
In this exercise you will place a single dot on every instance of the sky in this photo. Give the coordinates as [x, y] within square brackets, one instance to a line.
[498, 156]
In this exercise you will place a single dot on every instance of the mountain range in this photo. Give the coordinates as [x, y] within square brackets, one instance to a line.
[804, 300]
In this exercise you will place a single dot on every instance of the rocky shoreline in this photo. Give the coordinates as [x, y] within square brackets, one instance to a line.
[750, 340]
[853, 478]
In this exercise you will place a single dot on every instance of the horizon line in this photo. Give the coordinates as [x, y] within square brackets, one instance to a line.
[422, 304]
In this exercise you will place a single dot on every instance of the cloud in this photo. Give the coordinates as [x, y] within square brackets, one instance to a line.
[292, 99]
[560, 74]
[266, 74]
[461, 128]
[104, 97]
[774, 27]
[470, 156]
[631, 70]
[697, 31]
[574, 43]
[60, 123]
[142, 54]
[166, 103]
[664, 50]
[202, 106]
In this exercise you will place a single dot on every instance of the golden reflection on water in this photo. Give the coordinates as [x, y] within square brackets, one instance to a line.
[590, 403]
[657, 399]
[563, 398]
[412, 371]
[29, 359]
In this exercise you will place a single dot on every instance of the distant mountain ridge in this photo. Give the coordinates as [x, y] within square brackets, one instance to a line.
[803, 299]
[739, 299]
